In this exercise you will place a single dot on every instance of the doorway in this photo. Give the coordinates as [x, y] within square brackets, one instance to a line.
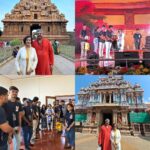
[107, 116]
[33, 29]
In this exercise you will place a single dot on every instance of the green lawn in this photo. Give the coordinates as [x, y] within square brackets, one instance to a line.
[5, 53]
[67, 51]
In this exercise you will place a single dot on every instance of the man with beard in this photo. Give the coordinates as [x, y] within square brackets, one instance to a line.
[104, 136]
[44, 53]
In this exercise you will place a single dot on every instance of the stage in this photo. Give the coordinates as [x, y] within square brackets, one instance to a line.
[103, 62]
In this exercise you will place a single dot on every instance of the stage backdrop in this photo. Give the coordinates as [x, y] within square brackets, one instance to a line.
[127, 15]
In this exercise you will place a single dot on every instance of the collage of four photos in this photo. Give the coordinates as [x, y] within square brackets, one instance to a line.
[74, 74]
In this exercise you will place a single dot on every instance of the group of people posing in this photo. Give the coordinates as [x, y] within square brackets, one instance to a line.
[28, 118]
[105, 39]
[109, 137]
[36, 57]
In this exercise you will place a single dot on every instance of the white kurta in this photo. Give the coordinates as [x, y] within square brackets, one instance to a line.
[21, 61]
[115, 137]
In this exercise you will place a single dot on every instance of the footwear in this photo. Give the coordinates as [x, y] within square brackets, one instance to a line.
[31, 145]
[67, 147]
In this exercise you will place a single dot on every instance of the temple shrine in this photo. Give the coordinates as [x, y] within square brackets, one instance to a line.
[27, 16]
[114, 98]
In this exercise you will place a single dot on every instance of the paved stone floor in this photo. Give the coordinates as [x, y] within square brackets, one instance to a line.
[62, 66]
[89, 142]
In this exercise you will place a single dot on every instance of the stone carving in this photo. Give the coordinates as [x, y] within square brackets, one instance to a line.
[34, 12]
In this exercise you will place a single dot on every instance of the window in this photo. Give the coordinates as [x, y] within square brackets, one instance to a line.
[35, 16]
[48, 29]
[35, 7]
[22, 29]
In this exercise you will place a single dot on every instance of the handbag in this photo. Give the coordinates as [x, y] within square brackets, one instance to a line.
[99, 148]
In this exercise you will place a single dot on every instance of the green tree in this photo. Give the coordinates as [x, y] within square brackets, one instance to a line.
[15, 42]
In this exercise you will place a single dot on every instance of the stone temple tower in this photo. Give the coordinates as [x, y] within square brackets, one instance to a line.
[27, 16]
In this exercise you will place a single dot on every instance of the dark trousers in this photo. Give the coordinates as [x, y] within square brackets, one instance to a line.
[4, 147]
[70, 135]
[137, 45]
[27, 134]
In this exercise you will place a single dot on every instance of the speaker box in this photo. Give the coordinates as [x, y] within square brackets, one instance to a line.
[126, 55]
[146, 55]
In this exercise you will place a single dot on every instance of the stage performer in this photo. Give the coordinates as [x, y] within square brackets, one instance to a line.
[109, 34]
[44, 53]
[83, 34]
[96, 39]
[102, 38]
[120, 41]
[137, 39]
[104, 136]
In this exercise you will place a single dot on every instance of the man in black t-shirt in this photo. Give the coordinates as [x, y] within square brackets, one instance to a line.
[5, 128]
[109, 35]
[82, 36]
[14, 114]
[137, 39]
[27, 123]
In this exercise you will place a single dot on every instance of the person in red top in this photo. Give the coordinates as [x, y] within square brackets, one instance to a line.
[44, 53]
[104, 136]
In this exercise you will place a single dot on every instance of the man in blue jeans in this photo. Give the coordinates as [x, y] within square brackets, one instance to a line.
[27, 124]
[14, 114]
[5, 128]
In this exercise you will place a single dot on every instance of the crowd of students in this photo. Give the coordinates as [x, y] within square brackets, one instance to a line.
[26, 119]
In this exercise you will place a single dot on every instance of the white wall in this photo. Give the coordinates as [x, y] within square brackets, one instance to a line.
[5, 82]
[45, 86]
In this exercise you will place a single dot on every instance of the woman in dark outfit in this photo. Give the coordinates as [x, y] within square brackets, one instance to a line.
[27, 124]
[70, 126]
[44, 119]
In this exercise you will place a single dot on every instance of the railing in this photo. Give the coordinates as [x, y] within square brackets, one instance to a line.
[80, 61]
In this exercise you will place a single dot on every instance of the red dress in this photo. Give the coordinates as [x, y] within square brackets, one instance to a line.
[45, 57]
[104, 137]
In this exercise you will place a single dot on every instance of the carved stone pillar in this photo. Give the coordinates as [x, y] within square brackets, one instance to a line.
[104, 98]
[109, 97]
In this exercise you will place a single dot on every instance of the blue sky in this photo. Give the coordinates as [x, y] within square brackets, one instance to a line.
[65, 6]
[144, 81]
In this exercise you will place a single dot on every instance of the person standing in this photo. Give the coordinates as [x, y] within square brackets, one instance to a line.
[96, 39]
[120, 40]
[49, 113]
[35, 118]
[104, 136]
[109, 34]
[5, 128]
[27, 124]
[14, 114]
[43, 118]
[56, 47]
[26, 59]
[102, 38]
[115, 138]
[45, 54]
[70, 126]
[137, 39]
[83, 35]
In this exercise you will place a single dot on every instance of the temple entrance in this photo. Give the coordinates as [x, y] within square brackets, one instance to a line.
[107, 116]
[33, 29]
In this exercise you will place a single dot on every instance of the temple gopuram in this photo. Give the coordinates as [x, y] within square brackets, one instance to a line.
[114, 98]
[34, 14]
